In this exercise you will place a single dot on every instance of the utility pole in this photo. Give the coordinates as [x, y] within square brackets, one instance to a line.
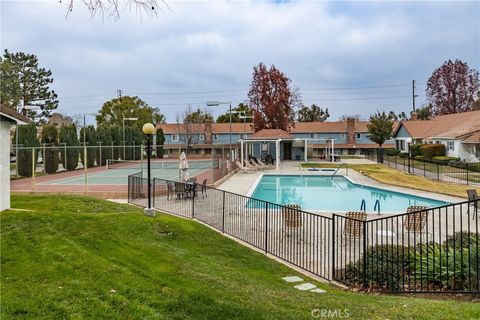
[119, 94]
[413, 96]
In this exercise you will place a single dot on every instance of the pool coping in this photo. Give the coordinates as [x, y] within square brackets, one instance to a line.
[375, 184]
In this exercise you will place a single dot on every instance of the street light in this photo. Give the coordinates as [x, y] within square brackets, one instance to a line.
[123, 129]
[216, 104]
[149, 130]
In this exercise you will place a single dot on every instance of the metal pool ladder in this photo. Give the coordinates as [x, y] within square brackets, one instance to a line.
[377, 206]
[363, 206]
[337, 170]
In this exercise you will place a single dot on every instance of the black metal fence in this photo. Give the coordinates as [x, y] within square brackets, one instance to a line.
[460, 172]
[425, 250]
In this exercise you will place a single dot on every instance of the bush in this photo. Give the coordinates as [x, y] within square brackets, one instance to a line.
[27, 139]
[432, 150]
[391, 152]
[104, 139]
[50, 139]
[68, 135]
[415, 149]
[386, 266]
[137, 137]
[160, 140]
[91, 143]
[403, 155]
[117, 141]
[462, 239]
[421, 158]
[443, 159]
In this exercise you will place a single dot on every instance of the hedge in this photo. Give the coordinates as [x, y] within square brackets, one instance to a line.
[116, 136]
[68, 135]
[415, 149]
[91, 143]
[432, 150]
[50, 139]
[27, 139]
[104, 139]
[443, 159]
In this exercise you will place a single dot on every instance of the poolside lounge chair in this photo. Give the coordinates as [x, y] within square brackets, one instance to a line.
[292, 220]
[255, 164]
[263, 165]
[416, 220]
[242, 167]
[353, 229]
[249, 165]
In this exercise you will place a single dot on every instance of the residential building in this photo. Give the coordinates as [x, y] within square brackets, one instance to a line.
[459, 132]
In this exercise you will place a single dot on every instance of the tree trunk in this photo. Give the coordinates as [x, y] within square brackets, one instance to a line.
[380, 155]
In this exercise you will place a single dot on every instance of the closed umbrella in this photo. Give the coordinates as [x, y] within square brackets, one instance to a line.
[183, 166]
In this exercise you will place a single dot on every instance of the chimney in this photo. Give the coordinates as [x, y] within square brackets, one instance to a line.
[351, 130]
[413, 116]
[208, 131]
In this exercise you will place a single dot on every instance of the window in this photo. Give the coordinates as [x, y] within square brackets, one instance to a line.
[264, 147]
[359, 135]
[400, 145]
[343, 136]
[313, 135]
[202, 137]
[451, 145]
[215, 136]
[175, 138]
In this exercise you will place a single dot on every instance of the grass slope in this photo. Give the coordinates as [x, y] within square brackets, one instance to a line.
[83, 258]
[387, 175]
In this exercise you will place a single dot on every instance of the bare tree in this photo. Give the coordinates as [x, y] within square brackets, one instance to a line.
[112, 8]
[189, 128]
[344, 117]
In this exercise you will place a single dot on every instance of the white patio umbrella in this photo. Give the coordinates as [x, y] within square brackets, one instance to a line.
[183, 166]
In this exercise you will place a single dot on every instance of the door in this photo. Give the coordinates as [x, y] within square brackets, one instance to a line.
[287, 151]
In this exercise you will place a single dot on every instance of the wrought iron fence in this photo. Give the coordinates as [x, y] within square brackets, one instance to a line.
[454, 172]
[424, 250]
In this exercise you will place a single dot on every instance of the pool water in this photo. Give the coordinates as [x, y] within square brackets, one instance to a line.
[323, 193]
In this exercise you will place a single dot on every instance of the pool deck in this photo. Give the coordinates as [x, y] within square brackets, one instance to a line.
[243, 183]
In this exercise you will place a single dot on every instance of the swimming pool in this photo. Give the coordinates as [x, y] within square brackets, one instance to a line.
[322, 193]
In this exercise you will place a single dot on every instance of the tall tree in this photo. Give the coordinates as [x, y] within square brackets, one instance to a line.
[68, 136]
[402, 116]
[344, 117]
[27, 140]
[312, 114]
[50, 139]
[452, 88]
[272, 98]
[112, 8]
[189, 128]
[380, 129]
[424, 113]
[113, 112]
[198, 116]
[237, 115]
[24, 83]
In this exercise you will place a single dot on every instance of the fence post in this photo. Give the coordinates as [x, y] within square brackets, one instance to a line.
[33, 167]
[438, 172]
[153, 193]
[266, 227]
[466, 167]
[334, 217]
[193, 206]
[424, 174]
[223, 212]
[365, 254]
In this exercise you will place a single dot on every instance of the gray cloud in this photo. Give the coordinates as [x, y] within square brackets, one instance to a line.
[212, 46]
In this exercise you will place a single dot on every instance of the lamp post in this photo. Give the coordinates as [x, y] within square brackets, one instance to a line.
[216, 104]
[149, 130]
[123, 130]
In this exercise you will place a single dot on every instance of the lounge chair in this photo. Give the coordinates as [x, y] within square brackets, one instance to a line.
[416, 220]
[249, 165]
[255, 164]
[242, 167]
[353, 228]
[263, 165]
[292, 220]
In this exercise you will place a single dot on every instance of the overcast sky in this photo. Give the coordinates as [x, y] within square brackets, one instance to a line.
[352, 57]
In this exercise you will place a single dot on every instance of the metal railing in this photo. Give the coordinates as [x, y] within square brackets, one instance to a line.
[431, 250]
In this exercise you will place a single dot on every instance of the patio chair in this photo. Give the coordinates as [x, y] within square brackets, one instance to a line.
[416, 220]
[203, 188]
[170, 189]
[292, 220]
[255, 164]
[180, 190]
[353, 228]
[263, 165]
[249, 165]
[242, 167]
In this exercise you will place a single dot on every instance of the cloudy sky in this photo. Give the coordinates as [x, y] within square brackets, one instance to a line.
[352, 57]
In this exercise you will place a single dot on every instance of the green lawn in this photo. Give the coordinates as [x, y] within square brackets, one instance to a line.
[82, 258]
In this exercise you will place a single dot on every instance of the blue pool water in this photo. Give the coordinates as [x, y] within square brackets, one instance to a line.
[323, 193]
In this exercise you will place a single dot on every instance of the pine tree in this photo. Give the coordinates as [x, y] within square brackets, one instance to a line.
[104, 140]
[27, 140]
[160, 141]
[91, 144]
[68, 135]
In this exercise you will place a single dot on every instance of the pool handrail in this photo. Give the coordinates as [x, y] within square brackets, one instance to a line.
[375, 206]
[344, 163]
[363, 206]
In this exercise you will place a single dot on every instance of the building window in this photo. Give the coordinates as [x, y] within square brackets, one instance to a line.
[264, 147]
[343, 136]
[215, 136]
[175, 138]
[401, 145]
[202, 137]
[359, 135]
[451, 145]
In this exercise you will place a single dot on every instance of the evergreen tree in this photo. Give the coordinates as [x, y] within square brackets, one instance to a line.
[116, 136]
[91, 144]
[160, 141]
[104, 140]
[50, 141]
[27, 140]
[24, 81]
[68, 135]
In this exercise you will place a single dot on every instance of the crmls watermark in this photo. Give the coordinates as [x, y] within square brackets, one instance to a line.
[331, 313]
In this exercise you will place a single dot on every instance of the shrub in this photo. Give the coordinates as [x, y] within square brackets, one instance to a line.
[160, 141]
[27, 139]
[403, 155]
[432, 150]
[391, 152]
[443, 159]
[386, 266]
[104, 139]
[462, 239]
[68, 135]
[421, 158]
[117, 141]
[91, 143]
[415, 149]
[50, 139]
[137, 137]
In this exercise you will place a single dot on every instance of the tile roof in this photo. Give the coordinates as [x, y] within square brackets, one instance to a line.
[13, 114]
[472, 137]
[445, 126]
[355, 146]
[271, 134]
[170, 128]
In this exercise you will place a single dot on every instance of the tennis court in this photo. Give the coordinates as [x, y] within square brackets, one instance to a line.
[116, 172]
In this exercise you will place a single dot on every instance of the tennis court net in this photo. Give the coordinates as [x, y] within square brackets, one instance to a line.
[140, 165]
